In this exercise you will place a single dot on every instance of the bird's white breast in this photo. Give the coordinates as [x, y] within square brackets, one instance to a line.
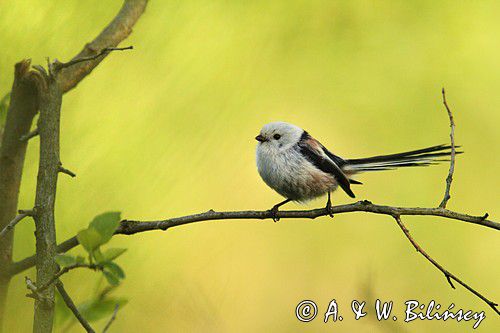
[290, 174]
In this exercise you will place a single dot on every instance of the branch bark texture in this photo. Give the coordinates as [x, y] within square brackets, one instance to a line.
[48, 170]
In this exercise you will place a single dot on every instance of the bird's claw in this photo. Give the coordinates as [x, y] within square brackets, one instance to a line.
[329, 208]
[274, 213]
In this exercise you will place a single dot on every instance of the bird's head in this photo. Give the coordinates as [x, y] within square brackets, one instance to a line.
[279, 135]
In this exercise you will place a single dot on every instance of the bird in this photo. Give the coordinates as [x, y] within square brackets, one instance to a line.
[300, 168]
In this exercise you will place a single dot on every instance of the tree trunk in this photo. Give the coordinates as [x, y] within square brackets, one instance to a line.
[22, 109]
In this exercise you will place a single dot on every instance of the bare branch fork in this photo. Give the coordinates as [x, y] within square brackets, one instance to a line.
[449, 276]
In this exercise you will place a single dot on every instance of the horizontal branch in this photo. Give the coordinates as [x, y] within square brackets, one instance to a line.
[128, 227]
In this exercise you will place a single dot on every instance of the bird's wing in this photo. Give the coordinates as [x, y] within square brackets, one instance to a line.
[315, 153]
[337, 159]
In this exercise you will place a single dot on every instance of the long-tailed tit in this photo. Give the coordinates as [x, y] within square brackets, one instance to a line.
[300, 168]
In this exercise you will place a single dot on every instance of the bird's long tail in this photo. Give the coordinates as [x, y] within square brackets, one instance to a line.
[420, 157]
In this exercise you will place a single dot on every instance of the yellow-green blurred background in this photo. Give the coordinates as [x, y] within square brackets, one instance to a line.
[168, 129]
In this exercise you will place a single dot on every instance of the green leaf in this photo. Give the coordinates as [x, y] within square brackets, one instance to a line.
[90, 239]
[99, 232]
[113, 273]
[98, 309]
[79, 259]
[112, 279]
[106, 225]
[114, 269]
[65, 260]
[98, 255]
[113, 253]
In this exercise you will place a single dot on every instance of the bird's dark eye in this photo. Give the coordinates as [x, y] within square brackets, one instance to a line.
[276, 136]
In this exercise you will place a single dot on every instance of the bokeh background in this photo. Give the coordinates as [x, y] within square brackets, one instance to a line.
[168, 129]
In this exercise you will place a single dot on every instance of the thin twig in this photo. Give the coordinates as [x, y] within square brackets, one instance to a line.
[30, 285]
[112, 319]
[57, 66]
[449, 276]
[35, 293]
[22, 214]
[449, 179]
[132, 227]
[66, 270]
[66, 171]
[69, 302]
[30, 135]
[112, 35]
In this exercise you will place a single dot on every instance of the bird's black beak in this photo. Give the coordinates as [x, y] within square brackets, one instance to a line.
[260, 138]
